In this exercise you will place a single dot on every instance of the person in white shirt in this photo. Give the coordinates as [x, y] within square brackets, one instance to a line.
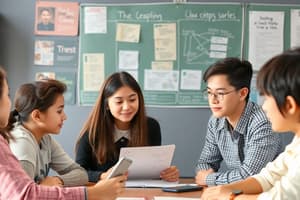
[278, 81]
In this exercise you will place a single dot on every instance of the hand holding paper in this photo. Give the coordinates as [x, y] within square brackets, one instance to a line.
[147, 165]
[170, 174]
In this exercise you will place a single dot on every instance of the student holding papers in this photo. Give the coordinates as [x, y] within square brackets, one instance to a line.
[117, 120]
[278, 80]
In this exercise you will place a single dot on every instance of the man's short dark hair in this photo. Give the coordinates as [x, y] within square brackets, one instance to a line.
[238, 72]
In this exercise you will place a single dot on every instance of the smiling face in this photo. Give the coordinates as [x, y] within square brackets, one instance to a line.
[224, 98]
[52, 119]
[123, 105]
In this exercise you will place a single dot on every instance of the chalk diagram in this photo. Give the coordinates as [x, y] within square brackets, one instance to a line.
[197, 46]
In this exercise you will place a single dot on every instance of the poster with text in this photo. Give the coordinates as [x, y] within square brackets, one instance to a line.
[56, 18]
[50, 51]
[44, 52]
[266, 36]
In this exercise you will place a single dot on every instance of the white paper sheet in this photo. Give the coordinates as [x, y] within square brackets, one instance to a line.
[191, 79]
[95, 20]
[128, 60]
[148, 161]
[295, 27]
[128, 32]
[165, 41]
[266, 33]
[161, 80]
[147, 183]
[175, 198]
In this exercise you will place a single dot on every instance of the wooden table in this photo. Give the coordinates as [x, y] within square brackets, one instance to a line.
[149, 193]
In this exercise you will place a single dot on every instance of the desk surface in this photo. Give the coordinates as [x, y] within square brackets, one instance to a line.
[149, 193]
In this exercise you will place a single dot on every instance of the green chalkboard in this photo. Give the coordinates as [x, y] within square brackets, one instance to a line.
[204, 33]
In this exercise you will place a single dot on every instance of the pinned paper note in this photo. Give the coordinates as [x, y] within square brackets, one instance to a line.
[128, 32]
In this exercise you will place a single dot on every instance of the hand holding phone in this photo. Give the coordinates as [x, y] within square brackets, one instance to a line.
[182, 188]
[120, 168]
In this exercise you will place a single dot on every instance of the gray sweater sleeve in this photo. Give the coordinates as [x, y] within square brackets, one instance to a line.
[70, 172]
[73, 175]
[28, 168]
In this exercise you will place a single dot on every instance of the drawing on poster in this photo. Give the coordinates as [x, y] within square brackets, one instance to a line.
[198, 46]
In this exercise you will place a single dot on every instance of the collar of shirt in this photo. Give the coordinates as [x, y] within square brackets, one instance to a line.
[242, 123]
[294, 147]
[121, 133]
[44, 140]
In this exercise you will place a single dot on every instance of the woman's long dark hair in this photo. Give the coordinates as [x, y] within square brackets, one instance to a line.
[100, 123]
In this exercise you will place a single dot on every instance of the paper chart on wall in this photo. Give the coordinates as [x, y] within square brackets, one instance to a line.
[265, 36]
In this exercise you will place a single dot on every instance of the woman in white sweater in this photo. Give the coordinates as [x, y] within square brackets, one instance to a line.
[278, 80]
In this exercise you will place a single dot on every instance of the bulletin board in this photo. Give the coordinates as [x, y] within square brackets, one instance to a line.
[204, 34]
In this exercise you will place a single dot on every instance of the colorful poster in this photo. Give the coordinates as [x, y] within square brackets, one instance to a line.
[69, 78]
[56, 18]
[39, 76]
[56, 51]
[44, 52]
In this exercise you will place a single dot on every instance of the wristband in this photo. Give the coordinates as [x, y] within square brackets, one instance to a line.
[235, 193]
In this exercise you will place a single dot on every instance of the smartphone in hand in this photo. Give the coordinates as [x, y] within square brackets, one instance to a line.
[182, 188]
[120, 168]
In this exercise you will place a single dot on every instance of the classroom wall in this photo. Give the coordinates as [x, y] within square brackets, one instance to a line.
[185, 127]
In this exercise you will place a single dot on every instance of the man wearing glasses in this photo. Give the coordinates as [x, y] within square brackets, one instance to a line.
[238, 131]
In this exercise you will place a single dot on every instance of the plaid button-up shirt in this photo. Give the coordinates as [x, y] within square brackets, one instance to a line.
[245, 150]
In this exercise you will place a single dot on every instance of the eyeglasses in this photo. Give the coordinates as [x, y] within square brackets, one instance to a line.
[218, 95]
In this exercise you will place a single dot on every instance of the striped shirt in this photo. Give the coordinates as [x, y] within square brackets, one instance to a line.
[16, 184]
[245, 150]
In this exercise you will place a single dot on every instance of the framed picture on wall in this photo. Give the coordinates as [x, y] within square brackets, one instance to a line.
[56, 18]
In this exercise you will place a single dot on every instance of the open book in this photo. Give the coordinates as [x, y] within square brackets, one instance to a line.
[147, 163]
